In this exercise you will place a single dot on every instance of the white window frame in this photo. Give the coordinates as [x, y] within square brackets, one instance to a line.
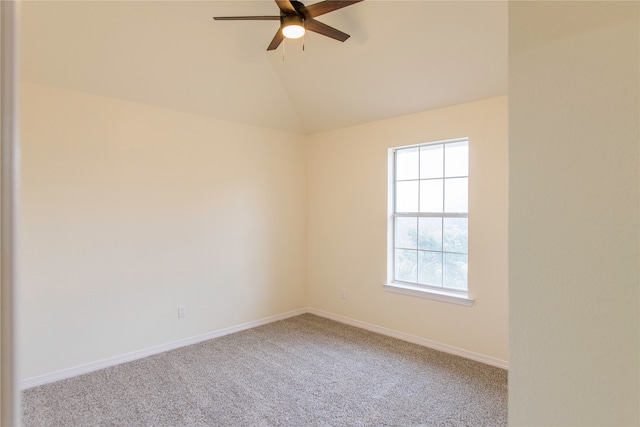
[413, 289]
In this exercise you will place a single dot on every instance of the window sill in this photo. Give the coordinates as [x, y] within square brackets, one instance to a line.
[433, 294]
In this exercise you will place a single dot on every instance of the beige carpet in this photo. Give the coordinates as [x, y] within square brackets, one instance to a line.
[303, 371]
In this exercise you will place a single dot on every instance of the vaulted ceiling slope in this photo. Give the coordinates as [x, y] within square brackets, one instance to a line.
[402, 57]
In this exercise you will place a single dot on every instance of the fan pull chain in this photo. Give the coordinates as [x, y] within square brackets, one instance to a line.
[284, 42]
[304, 34]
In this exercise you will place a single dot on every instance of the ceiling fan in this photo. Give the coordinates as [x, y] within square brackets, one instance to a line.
[295, 18]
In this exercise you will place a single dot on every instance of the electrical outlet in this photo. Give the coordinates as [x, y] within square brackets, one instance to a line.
[182, 311]
[344, 293]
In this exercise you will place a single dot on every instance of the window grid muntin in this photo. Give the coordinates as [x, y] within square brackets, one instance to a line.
[419, 214]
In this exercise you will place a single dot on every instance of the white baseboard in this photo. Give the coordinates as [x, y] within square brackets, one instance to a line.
[112, 361]
[412, 339]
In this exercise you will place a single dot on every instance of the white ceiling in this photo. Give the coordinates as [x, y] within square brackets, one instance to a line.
[402, 57]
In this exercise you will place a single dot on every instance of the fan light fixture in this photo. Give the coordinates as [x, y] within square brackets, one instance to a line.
[295, 18]
[292, 27]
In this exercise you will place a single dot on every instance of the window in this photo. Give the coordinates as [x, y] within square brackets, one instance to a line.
[429, 219]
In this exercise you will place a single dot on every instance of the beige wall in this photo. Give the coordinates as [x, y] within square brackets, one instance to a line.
[574, 213]
[129, 210]
[347, 225]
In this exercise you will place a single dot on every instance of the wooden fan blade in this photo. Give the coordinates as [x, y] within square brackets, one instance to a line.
[326, 6]
[325, 30]
[246, 18]
[277, 39]
[286, 7]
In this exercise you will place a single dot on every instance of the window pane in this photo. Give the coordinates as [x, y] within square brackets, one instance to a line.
[406, 235]
[407, 196]
[455, 236]
[430, 268]
[406, 265]
[430, 234]
[431, 161]
[456, 195]
[456, 159]
[431, 195]
[407, 163]
[431, 179]
[455, 271]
